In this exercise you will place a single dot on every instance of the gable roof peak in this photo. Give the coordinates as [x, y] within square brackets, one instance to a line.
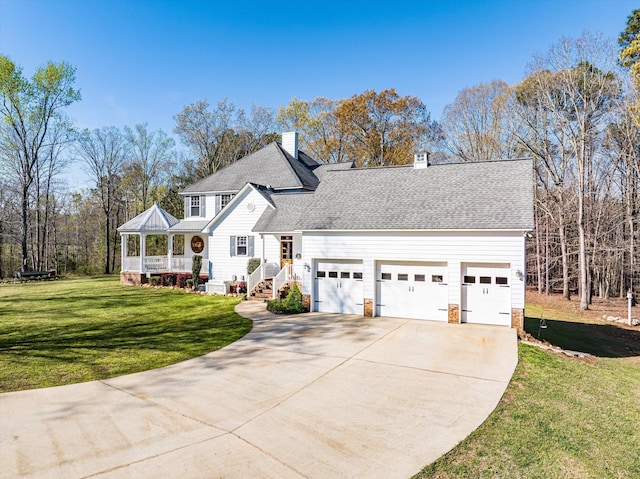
[152, 219]
[270, 165]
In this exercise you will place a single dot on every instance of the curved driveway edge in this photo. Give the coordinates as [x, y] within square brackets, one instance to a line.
[306, 396]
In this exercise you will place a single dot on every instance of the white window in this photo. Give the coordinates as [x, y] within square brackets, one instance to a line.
[195, 206]
[224, 200]
[241, 245]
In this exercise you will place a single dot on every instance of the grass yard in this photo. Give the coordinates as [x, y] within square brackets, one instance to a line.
[560, 417]
[69, 331]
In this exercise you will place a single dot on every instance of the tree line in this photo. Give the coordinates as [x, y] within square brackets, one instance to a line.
[576, 113]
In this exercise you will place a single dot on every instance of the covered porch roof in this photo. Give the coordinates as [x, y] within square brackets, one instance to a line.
[153, 220]
[189, 226]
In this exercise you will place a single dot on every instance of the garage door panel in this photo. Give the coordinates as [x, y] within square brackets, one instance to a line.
[412, 290]
[486, 294]
[339, 287]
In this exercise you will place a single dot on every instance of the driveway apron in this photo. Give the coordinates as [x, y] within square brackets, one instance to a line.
[307, 396]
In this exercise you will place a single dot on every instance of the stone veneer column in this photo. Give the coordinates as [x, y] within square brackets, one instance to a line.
[517, 320]
[454, 314]
[306, 302]
[368, 307]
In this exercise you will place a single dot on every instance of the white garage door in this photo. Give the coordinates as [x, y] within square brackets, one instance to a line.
[412, 290]
[339, 287]
[486, 294]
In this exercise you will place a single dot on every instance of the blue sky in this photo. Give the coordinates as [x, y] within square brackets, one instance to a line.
[143, 60]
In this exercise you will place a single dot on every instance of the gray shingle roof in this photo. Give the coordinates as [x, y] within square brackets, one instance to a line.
[271, 165]
[483, 195]
[152, 219]
[189, 226]
[322, 169]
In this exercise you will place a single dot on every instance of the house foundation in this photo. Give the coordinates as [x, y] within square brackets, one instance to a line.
[129, 278]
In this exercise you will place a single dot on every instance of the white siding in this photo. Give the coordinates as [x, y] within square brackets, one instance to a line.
[236, 220]
[452, 248]
[297, 249]
[188, 252]
[271, 248]
[210, 206]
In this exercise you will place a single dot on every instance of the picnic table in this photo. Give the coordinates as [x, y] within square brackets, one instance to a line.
[19, 275]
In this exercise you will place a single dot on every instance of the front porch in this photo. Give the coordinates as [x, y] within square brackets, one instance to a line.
[161, 264]
[156, 248]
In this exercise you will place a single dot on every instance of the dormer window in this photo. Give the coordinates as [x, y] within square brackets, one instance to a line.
[195, 206]
[224, 200]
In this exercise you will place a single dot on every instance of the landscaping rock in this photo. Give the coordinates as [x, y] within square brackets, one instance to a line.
[621, 320]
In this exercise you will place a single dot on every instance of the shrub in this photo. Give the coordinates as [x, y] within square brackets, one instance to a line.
[292, 304]
[253, 264]
[168, 279]
[190, 283]
[181, 279]
[196, 266]
[239, 288]
[154, 281]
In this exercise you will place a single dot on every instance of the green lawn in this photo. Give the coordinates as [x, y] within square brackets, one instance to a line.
[69, 331]
[560, 417]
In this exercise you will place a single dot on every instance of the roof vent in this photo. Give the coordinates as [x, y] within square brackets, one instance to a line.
[421, 160]
[290, 143]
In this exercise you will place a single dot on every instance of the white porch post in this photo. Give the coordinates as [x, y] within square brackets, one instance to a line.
[170, 253]
[262, 263]
[143, 241]
[123, 250]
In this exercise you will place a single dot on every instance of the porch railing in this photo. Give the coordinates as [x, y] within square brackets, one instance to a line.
[264, 271]
[154, 264]
[289, 273]
[160, 264]
[131, 263]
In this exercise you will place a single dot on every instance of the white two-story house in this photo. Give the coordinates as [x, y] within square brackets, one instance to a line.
[436, 242]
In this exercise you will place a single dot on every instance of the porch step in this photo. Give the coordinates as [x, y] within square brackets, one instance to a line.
[263, 292]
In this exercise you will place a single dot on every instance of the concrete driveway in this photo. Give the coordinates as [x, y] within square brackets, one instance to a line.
[314, 396]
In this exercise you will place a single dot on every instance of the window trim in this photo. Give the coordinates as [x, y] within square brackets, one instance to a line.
[245, 240]
[225, 199]
[192, 200]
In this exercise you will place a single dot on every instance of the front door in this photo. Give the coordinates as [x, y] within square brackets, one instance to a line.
[286, 250]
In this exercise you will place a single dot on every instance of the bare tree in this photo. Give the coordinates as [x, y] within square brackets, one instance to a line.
[104, 152]
[204, 131]
[476, 126]
[575, 89]
[151, 158]
[623, 144]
